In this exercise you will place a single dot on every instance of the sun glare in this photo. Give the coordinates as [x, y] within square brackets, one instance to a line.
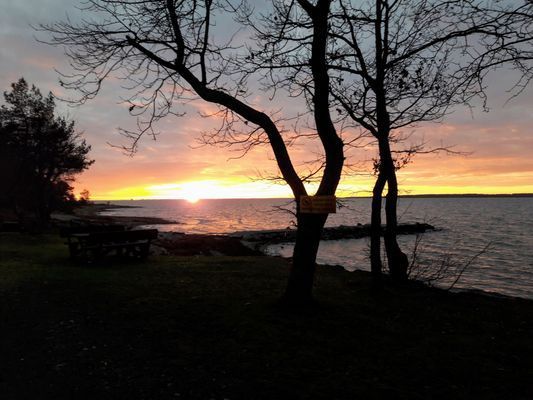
[194, 191]
[192, 199]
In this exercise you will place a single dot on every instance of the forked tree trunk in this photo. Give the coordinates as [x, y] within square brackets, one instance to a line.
[300, 285]
[299, 292]
[376, 265]
[397, 260]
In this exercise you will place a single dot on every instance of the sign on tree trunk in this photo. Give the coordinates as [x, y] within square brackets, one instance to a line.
[318, 204]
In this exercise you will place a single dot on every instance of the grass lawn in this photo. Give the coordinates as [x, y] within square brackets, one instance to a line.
[207, 328]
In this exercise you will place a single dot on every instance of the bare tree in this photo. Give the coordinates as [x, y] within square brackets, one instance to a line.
[397, 63]
[168, 52]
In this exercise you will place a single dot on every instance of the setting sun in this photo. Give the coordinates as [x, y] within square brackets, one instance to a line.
[190, 191]
[192, 199]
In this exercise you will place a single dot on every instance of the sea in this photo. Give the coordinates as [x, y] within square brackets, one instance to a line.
[481, 243]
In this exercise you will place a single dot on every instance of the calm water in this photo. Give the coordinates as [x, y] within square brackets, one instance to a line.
[468, 226]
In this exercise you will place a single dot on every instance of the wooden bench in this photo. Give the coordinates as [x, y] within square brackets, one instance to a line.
[95, 245]
[10, 226]
[71, 234]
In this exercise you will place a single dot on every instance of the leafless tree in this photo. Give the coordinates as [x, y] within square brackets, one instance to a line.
[397, 63]
[168, 52]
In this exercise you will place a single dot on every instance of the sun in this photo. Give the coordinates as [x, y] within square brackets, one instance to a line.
[191, 199]
[195, 191]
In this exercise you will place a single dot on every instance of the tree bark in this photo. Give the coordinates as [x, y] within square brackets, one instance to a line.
[376, 265]
[299, 290]
[310, 226]
[397, 260]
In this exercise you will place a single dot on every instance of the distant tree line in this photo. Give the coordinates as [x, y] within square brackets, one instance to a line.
[40, 153]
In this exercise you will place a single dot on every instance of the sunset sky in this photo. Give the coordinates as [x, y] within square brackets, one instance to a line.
[498, 145]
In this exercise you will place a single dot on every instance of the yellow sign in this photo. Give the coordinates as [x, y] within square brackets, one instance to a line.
[318, 204]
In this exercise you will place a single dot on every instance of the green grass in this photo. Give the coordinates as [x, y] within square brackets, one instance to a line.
[208, 327]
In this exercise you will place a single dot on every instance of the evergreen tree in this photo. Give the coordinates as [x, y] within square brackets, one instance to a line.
[40, 152]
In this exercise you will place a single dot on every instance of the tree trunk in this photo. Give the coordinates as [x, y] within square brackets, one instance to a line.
[375, 228]
[397, 259]
[43, 203]
[299, 292]
[300, 285]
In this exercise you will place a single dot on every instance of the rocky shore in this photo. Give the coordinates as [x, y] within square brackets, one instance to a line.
[251, 243]
[91, 213]
[332, 233]
[180, 244]
[244, 243]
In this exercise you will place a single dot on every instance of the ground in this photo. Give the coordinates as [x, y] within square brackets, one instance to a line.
[203, 327]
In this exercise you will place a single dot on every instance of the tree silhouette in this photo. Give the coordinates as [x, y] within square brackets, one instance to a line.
[398, 63]
[169, 52]
[84, 197]
[41, 153]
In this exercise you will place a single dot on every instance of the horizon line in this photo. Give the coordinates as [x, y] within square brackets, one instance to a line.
[338, 197]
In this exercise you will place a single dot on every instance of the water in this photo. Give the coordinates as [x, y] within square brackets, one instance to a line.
[468, 225]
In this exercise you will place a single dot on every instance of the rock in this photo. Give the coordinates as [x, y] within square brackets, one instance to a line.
[331, 233]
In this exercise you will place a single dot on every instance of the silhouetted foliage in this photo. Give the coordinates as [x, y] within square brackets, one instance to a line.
[84, 197]
[40, 153]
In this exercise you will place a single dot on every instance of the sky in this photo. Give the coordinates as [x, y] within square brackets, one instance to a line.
[497, 146]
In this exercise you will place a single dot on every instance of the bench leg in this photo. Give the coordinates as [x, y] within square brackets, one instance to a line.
[145, 249]
[74, 250]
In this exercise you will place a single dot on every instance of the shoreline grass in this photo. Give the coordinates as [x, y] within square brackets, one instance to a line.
[207, 327]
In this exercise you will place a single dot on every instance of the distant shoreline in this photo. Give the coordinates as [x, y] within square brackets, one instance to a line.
[92, 213]
[475, 195]
[408, 196]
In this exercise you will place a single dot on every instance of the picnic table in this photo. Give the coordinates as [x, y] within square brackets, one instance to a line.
[97, 242]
